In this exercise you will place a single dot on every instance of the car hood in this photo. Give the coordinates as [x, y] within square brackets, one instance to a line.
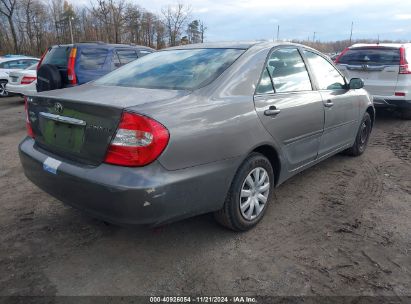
[120, 97]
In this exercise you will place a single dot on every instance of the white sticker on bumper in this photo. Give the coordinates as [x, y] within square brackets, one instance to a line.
[51, 165]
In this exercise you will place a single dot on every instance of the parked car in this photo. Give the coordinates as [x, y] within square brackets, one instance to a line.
[386, 71]
[23, 82]
[194, 129]
[69, 65]
[12, 63]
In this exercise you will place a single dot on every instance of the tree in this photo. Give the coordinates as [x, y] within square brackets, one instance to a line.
[8, 9]
[175, 19]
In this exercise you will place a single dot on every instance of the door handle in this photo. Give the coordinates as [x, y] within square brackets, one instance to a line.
[272, 111]
[328, 103]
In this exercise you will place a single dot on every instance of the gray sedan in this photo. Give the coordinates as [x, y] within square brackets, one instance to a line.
[194, 129]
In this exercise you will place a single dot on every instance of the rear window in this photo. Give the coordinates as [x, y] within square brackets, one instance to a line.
[92, 59]
[174, 69]
[57, 56]
[372, 56]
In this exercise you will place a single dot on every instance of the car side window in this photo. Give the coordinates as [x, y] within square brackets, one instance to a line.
[126, 56]
[92, 59]
[142, 53]
[286, 70]
[327, 76]
[116, 61]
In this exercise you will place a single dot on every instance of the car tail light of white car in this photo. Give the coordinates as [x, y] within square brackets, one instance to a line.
[28, 79]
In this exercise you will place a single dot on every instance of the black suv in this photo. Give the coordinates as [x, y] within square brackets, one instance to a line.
[73, 64]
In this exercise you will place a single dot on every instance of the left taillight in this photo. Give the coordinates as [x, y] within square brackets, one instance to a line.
[42, 58]
[28, 123]
[139, 140]
[28, 79]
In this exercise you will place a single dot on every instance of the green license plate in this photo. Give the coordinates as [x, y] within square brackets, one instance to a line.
[63, 136]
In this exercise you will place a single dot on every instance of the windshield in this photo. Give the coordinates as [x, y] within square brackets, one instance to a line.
[174, 69]
[376, 56]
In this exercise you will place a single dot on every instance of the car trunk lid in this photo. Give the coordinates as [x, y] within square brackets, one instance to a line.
[79, 123]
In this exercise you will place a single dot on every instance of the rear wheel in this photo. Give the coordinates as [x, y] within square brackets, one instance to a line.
[249, 194]
[3, 91]
[362, 138]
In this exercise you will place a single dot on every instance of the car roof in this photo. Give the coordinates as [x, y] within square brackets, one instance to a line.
[234, 45]
[106, 45]
[391, 45]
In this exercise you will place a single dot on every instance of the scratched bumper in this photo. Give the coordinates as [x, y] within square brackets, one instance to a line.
[147, 195]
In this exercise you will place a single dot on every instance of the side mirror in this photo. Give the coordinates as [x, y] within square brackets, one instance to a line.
[356, 83]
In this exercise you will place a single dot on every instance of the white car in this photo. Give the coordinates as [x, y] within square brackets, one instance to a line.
[386, 71]
[23, 82]
[10, 64]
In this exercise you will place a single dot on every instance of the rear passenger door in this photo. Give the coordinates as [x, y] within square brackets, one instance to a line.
[340, 104]
[289, 108]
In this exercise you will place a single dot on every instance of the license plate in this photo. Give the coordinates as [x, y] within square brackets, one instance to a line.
[13, 79]
[64, 136]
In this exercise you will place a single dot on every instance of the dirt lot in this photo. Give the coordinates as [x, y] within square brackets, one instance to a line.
[340, 228]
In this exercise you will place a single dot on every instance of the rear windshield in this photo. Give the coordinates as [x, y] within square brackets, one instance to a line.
[92, 59]
[174, 69]
[57, 56]
[373, 56]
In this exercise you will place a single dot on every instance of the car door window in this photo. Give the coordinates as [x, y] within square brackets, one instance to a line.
[327, 76]
[115, 63]
[286, 70]
[92, 59]
[142, 53]
[126, 56]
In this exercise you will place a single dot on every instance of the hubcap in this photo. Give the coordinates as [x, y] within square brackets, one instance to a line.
[364, 133]
[254, 193]
[3, 91]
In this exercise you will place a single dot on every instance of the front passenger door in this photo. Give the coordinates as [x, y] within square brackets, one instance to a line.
[289, 108]
[340, 105]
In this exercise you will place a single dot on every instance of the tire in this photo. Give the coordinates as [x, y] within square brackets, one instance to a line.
[406, 114]
[231, 215]
[363, 135]
[48, 78]
[3, 91]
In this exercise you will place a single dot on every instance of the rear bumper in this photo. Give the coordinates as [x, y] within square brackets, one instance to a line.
[28, 89]
[147, 195]
[391, 102]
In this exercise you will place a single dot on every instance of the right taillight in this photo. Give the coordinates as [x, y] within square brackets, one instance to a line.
[139, 140]
[404, 67]
[71, 74]
[28, 123]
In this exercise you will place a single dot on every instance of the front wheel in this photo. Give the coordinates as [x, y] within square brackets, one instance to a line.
[362, 137]
[249, 194]
[3, 91]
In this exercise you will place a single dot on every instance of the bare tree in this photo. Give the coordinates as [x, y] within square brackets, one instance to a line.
[175, 18]
[8, 9]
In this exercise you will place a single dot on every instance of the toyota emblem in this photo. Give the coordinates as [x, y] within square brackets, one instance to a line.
[58, 107]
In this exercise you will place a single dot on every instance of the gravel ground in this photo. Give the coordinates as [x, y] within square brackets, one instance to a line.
[342, 227]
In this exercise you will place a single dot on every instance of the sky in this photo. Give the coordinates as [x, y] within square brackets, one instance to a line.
[298, 19]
